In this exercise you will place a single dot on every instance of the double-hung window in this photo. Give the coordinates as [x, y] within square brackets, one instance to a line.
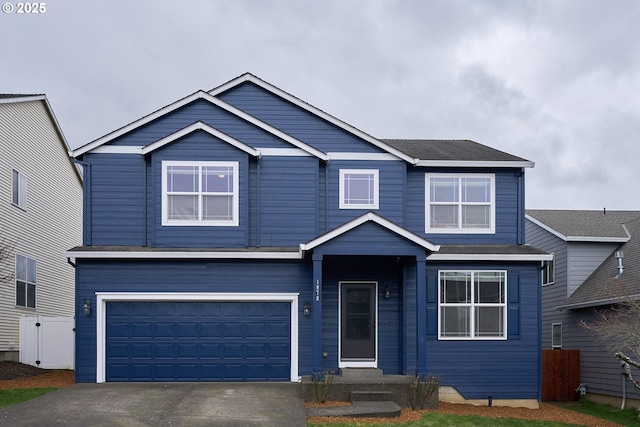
[25, 281]
[358, 189]
[200, 193]
[472, 304]
[460, 203]
[18, 189]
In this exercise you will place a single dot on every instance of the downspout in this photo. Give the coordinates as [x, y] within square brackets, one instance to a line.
[86, 209]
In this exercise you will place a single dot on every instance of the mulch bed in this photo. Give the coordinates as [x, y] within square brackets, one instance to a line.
[20, 375]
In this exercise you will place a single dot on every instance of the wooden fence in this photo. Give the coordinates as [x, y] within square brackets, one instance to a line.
[560, 375]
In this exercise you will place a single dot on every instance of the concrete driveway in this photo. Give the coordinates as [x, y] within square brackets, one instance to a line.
[163, 404]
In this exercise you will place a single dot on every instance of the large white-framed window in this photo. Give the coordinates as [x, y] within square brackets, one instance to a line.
[200, 193]
[460, 203]
[18, 189]
[25, 281]
[359, 188]
[472, 304]
[548, 272]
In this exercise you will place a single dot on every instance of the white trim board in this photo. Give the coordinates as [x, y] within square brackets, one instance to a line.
[101, 317]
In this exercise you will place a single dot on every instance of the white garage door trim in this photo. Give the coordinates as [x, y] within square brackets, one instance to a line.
[101, 316]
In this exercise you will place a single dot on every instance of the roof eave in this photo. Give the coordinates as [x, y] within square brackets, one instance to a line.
[596, 303]
[476, 164]
[490, 257]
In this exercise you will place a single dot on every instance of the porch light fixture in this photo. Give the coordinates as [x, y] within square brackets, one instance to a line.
[387, 291]
[307, 308]
[86, 308]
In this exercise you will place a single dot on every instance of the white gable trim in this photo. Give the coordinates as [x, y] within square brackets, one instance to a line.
[248, 77]
[370, 216]
[206, 128]
[189, 99]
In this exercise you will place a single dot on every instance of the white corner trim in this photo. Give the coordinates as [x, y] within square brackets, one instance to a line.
[101, 317]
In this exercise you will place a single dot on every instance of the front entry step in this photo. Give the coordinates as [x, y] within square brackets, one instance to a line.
[358, 410]
[356, 373]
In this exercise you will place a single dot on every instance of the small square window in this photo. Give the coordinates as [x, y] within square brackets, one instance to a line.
[19, 189]
[358, 189]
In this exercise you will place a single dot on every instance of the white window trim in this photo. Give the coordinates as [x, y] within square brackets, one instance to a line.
[236, 195]
[35, 284]
[376, 192]
[22, 189]
[101, 317]
[545, 267]
[357, 363]
[553, 345]
[472, 317]
[459, 230]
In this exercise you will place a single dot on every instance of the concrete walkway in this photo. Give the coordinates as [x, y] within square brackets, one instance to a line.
[163, 404]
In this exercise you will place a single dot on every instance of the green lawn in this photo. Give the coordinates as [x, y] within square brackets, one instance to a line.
[627, 418]
[17, 395]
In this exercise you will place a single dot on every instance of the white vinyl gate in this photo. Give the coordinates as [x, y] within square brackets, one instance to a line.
[47, 342]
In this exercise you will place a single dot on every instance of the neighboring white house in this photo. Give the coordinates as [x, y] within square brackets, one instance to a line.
[40, 217]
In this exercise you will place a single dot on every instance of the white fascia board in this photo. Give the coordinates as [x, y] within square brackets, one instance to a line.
[596, 303]
[283, 152]
[118, 149]
[206, 128]
[184, 101]
[22, 98]
[140, 122]
[593, 239]
[475, 164]
[181, 255]
[362, 156]
[248, 77]
[490, 257]
[370, 216]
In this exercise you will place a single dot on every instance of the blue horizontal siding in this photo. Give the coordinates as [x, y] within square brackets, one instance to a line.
[504, 369]
[208, 113]
[294, 120]
[186, 276]
[117, 194]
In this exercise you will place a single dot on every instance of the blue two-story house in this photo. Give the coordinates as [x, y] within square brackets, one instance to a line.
[241, 234]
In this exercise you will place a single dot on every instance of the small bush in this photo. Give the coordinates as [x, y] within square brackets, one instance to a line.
[421, 389]
[322, 384]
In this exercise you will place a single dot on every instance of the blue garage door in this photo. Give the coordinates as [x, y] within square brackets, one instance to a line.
[198, 341]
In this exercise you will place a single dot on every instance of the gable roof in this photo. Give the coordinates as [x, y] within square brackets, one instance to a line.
[373, 217]
[15, 98]
[584, 225]
[605, 286]
[436, 152]
[248, 77]
[187, 100]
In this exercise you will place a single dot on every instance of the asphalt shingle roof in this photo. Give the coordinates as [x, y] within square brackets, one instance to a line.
[436, 149]
[575, 223]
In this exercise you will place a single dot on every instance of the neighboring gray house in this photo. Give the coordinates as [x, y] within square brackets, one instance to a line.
[589, 247]
[40, 217]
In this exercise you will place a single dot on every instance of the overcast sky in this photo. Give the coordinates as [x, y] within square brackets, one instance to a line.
[556, 82]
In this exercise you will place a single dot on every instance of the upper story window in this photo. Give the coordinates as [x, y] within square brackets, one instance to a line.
[473, 304]
[460, 203]
[358, 189]
[25, 281]
[548, 272]
[200, 193]
[18, 189]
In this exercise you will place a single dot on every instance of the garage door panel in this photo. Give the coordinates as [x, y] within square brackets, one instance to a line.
[198, 341]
